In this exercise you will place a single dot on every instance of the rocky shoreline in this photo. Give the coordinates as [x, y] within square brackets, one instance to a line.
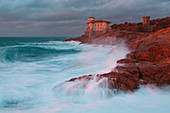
[148, 63]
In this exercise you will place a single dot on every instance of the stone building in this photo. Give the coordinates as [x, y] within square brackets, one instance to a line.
[97, 27]
[146, 21]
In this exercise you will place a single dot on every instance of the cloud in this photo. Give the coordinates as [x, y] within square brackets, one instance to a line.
[51, 16]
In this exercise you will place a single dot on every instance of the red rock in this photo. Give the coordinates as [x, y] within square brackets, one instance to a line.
[148, 63]
[148, 69]
[124, 87]
[127, 60]
[131, 84]
[131, 55]
[143, 82]
[166, 77]
[122, 79]
[72, 80]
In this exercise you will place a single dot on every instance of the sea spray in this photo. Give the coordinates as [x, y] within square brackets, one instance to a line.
[95, 88]
[88, 89]
[29, 87]
[28, 75]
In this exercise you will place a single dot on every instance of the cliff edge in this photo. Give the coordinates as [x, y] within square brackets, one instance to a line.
[148, 63]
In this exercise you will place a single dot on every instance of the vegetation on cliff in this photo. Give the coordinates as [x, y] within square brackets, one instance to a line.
[155, 25]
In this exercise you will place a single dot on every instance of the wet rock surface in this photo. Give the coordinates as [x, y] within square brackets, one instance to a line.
[148, 63]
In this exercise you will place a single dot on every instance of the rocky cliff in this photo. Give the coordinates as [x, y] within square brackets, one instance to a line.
[148, 63]
[112, 37]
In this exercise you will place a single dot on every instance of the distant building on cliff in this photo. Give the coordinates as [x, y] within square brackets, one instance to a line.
[146, 21]
[97, 27]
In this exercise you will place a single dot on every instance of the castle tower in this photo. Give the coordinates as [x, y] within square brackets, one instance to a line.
[90, 26]
[146, 21]
[91, 19]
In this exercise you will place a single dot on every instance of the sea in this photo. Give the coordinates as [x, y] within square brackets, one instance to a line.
[34, 72]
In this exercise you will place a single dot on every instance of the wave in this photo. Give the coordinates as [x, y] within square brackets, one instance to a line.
[31, 53]
[94, 89]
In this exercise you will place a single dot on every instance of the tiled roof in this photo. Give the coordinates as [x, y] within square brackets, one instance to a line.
[91, 17]
[99, 21]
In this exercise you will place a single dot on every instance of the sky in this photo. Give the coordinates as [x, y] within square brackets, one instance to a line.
[56, 18]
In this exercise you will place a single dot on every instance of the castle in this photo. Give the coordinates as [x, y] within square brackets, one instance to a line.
[97, 27]
[146, 21]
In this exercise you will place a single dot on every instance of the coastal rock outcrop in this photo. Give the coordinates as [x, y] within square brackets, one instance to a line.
[112, 37]
[148, 63]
